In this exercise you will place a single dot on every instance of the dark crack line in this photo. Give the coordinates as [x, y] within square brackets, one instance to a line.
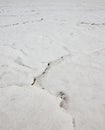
[74, 123]
[47, 69]
[97, 51]
[13, 47]
[94, 24]
[26, 66]
[23, 52]
[34, 80]
[16, 24]
[19, 62]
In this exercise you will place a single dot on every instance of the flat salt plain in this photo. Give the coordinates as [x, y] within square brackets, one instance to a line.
[52, 65]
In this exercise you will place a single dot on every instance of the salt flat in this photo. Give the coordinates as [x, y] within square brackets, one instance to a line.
[52, 65]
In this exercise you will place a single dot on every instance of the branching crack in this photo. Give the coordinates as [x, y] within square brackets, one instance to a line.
[61, 94]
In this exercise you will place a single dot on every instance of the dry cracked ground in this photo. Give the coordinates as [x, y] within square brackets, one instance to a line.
[52, 65]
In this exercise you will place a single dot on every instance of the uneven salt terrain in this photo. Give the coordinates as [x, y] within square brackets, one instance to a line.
[52, 65]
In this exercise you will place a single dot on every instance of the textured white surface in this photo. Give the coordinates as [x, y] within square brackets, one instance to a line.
[67, 34]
